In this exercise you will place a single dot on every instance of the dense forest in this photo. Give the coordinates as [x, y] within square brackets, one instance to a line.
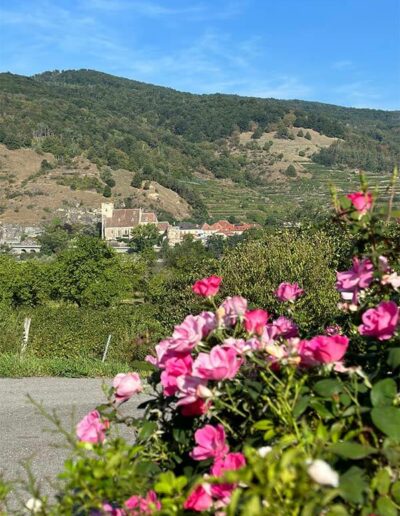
[165, 135]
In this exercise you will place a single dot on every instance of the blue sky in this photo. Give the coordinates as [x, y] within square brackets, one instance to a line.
[338, 51]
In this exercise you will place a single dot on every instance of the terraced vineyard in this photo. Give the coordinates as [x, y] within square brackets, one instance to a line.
[256, 203]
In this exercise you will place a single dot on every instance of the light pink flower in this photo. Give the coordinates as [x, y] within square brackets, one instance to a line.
[91, 429]
[239, 345]
[126, 385]
[231, 462]
[360, 276]
[208, 321]
[380, 322]
[392, 279]
[112, 511]
[323, 349]
[207, 287]
[220, 364]
[234, 308]
[210, 442]
[199, 499]
[138, 505]
[175, 367]
[288, 292]
[333, 329]
[361, 201]
[255, 321]
[285, 327]
[163, 352]
[188, 334]
[188, 389]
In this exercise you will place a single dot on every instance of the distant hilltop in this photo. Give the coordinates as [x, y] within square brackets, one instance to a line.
[77, 137]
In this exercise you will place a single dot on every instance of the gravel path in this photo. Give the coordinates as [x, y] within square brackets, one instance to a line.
[25, 434]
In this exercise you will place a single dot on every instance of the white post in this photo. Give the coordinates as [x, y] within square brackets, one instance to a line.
[25, 337]
[106, 349]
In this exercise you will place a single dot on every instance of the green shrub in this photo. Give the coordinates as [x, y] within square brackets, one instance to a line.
[290, 171]
[255, 269]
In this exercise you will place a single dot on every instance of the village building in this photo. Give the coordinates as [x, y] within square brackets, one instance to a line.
[118, 223]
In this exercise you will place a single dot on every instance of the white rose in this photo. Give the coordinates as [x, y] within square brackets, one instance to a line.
[321, 472]
[34, 505]
[263, 451]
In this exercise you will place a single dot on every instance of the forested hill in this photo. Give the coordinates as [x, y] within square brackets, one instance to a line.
[161, 134]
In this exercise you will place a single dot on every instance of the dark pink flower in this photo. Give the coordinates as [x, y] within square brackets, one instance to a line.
[323, 349]
[380, 322]
[361, 201]
[92, 429]
[175, 367]
[207, 287]
[255, 321]
[138, 505]
[220, 364]
[360, 276]
[199, 499]
[288, 292]
[210, 442]
[231, 462]
[197, 408]
[126, 385]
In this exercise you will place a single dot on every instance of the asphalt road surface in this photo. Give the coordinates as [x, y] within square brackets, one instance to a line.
[26, 435]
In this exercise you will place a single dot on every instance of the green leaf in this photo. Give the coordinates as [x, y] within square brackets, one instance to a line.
[352, 485]
[394, 358]
[300, 406]
[321, 410]
[395, 491]
[383, 393]
[382, 481]
[352, 450]
[387, 419]
[386, 507]
[328, 388]
[148, 429]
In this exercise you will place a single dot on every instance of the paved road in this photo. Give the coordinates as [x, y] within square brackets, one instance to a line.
[23, 432]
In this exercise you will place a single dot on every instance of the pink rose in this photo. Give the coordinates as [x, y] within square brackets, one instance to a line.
[112, 511]
[288, 292]
[285, 327]
[174, 367]
[189, 389]
[219, 364]
[231, 462]
[380, 322]
[199, 499]
[358, 277]
[323, 349]
[126, 385]
[207, 287]
[361, 201]
[255, 321]
[188, 334]
[91, 429]
[138, 505]
[210, 442]
[233, 308]
[208, 321]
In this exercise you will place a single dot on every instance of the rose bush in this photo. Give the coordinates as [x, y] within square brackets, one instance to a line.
[247, 415]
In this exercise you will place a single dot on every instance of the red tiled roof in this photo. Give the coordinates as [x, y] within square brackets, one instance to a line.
[149, 217]
[163, 226]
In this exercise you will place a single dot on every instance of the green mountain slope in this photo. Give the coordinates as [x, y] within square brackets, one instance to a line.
[189, 142]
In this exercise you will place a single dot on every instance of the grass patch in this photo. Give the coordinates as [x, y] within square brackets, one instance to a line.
[12, 366]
